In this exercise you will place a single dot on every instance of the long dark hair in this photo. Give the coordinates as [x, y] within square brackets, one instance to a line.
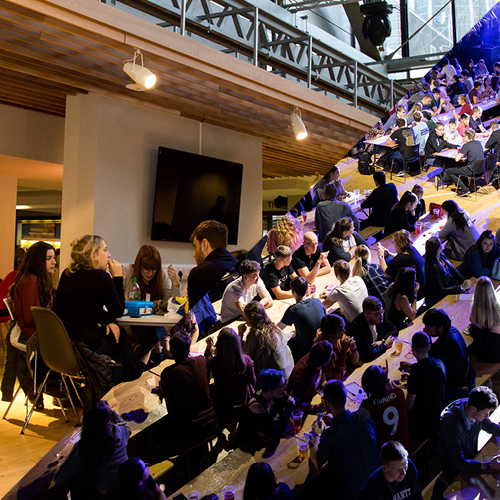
[335, 234]
[149, 257]
[130, 476]
[260, 483]
[408, 197]
[229, 353]
[432, 247]
[404, 284]
[485, 235]
[455, 214]
[35, 262]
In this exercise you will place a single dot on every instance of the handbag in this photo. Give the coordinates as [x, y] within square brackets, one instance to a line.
[433, 206]
[495, 270]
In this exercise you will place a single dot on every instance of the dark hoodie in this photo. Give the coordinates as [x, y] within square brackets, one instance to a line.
[458, 439]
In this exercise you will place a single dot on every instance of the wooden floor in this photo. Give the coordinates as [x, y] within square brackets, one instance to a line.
[19, 453]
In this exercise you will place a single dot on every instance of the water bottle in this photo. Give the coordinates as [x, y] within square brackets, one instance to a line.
[135, 290]
[360, 397]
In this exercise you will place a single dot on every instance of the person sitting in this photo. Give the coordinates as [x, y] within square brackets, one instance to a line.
[426, 384]
[261, 484]
[265, 342]
[372, 332]
[474, 92]
[463, 125]
[448, 71]
[373, 275]
[387, 406]
[92, 465]
[435, 144]
[233, 373]
[349, 294]
[423, 105]
[184, 385]
[396, 478]
[488, 91]
[308, 261]
[466, 108]
[420, 210]
[306, 315]
[475, 122]
[455, 89]
[402, 215]
[332, 177]
[458, 436]
[390, 124]
[459, 231]
[242, 291]
[445, 279]
[404, 139]
[134, 482]
[485, 323]
[346, 441]
[265, 417]
[308, 375]
[421, 131]
[401, 298]
[478, 259]
[451, 134]
[467, 83]
[380, 201]
[328, 212]
[429, 120]
[450, 348]
[278, 273]
[212, 258]
[345, 352]
[480, 68]
[494, 139]
[341, 241]
[188, 324]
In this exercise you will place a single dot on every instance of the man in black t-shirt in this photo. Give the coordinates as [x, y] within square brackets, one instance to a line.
[494, 140]
[308, 261]
[278, 273]
[473, 151]
[395, 479]
[404, 139]
[380, 201]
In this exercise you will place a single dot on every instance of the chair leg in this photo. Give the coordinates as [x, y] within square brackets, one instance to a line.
[61, 406]
[458, 182]
[39, 392]
[12, 402]
[74, 387]
[69, 395]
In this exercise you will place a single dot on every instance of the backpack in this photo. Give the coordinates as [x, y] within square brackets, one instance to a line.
[365, 166]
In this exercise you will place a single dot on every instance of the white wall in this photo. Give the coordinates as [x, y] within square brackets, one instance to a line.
[32, 135]
[110, 159]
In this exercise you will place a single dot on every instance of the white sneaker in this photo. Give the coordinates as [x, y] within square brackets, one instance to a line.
[401, 173]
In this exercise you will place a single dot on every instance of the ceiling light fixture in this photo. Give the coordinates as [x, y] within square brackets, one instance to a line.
[298, 127]
[143, 78]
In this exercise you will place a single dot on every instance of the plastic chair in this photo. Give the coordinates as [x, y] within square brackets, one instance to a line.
[415, 157]
[478, 173]
[57, 352]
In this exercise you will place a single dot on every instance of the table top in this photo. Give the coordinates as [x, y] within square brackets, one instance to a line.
[452, 153]
[168, 320]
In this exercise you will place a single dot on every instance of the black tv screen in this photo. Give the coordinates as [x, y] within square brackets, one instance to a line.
[191, 188]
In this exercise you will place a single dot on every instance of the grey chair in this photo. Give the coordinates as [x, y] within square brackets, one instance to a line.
[478, 173]
[413, 158]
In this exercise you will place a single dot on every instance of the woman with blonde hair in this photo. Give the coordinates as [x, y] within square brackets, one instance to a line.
[485, 323]
[89, 300]
[265, 342]
[372, 274]
[341, 241]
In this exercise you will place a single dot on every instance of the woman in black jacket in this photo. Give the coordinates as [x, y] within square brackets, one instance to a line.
[402, 215]
[341, 241]
[442, 277]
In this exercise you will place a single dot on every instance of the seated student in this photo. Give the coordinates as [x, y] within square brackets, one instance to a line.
[390, 124]
[425, 398]
[458, 436]
[436, 102]
[450, 348]
[494, 139]
[488, 91]
[328, 212]
[265, 342]
[421, 131]
[475, 122]
[387, 406]
[480, 68]
[459, 231]
[372, 274]
[261, 484]
[187, 396]
[442, 276]
[349, 294]
[308, 261]
[417, 93]
[265, 417]
[466, 108]
[242, 291]
[345, 352]
[397, 478]
[233, 373]
[467, 82]
[478, 259]
[380, 201]
[485, 323]
[306, 315]
[188, 324]
[341, 241]
[402, 215]
[372, 332]
[420, 210]
[423, 105]
[463, 125]
[473, 94]
[448, 71]
[429, 120]
[451, 134]
[435, 144]
[278, 273]
[309, 374]
[332, 177]
[346, 441]
[455, 89]
[496, 76]
[404, 139]
[473, 151]
[401, 298]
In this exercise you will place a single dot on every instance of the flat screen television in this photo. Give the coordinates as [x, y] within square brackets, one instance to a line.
[191, 188]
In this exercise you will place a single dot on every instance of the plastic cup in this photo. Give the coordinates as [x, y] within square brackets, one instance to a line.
[303, 446]
[193, 495]
[297, 420]
[399, 345]
[304, 217]
[367, 192]
[228, 492]
[436, 213]
[356, 193]
[418, 228]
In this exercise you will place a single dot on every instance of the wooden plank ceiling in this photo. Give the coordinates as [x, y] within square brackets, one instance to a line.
[53, 48]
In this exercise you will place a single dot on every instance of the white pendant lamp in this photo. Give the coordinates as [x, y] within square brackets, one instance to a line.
[143, 78]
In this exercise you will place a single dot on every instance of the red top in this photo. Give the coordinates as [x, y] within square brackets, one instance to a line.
[465, 109]
[304, 381]
[389, 415]
[26, 296]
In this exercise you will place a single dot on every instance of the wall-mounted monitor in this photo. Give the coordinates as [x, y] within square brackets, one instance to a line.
[191, 188]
